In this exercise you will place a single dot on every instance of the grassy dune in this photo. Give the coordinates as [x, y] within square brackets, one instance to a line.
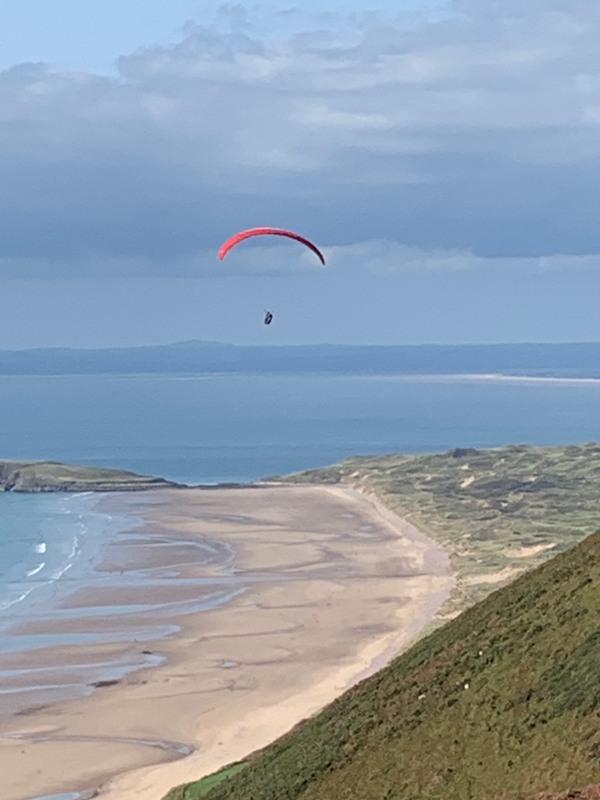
[501, 703]
[498, 512]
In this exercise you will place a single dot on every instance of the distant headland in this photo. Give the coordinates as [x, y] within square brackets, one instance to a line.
[52, 476]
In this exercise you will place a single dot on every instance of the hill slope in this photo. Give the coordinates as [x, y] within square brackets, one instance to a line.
[500, 703]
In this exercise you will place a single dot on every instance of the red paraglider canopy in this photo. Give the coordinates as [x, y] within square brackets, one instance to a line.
[238, 237]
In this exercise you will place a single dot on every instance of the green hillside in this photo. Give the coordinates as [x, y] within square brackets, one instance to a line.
[501, 703]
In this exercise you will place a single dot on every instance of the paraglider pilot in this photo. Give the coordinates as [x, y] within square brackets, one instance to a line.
[268, 318]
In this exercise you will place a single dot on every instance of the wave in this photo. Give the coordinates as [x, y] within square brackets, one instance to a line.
[32, 688]
[67, 535]
[9, 600]
[26, 528]
[72, 557]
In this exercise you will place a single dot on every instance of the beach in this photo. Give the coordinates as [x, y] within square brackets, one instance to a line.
[310, 590]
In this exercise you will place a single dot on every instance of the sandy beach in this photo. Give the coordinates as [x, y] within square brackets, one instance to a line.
[323, 587]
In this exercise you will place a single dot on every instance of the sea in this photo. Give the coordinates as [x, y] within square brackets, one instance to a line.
[230, 428]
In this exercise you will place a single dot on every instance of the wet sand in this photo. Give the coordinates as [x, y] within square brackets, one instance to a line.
[322, 586]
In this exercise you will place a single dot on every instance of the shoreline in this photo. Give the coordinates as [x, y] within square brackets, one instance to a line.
[310, 562]
[502, 376]
[46, 620]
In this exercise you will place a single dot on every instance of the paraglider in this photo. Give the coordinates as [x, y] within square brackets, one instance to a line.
[246, 234]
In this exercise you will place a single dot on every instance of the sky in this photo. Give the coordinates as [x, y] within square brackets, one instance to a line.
[445, 156]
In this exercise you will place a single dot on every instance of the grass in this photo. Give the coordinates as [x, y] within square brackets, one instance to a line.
[204, 785]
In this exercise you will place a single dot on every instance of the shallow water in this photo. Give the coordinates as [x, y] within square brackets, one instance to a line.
[69, 603]
[67, 796]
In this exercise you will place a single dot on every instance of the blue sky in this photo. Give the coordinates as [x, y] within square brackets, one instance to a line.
[92, 35]
[445, 157]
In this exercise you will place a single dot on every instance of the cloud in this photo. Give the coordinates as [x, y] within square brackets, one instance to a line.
[382, 257]
[472, 136]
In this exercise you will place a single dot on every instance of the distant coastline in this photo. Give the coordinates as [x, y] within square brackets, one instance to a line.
[567, 360]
